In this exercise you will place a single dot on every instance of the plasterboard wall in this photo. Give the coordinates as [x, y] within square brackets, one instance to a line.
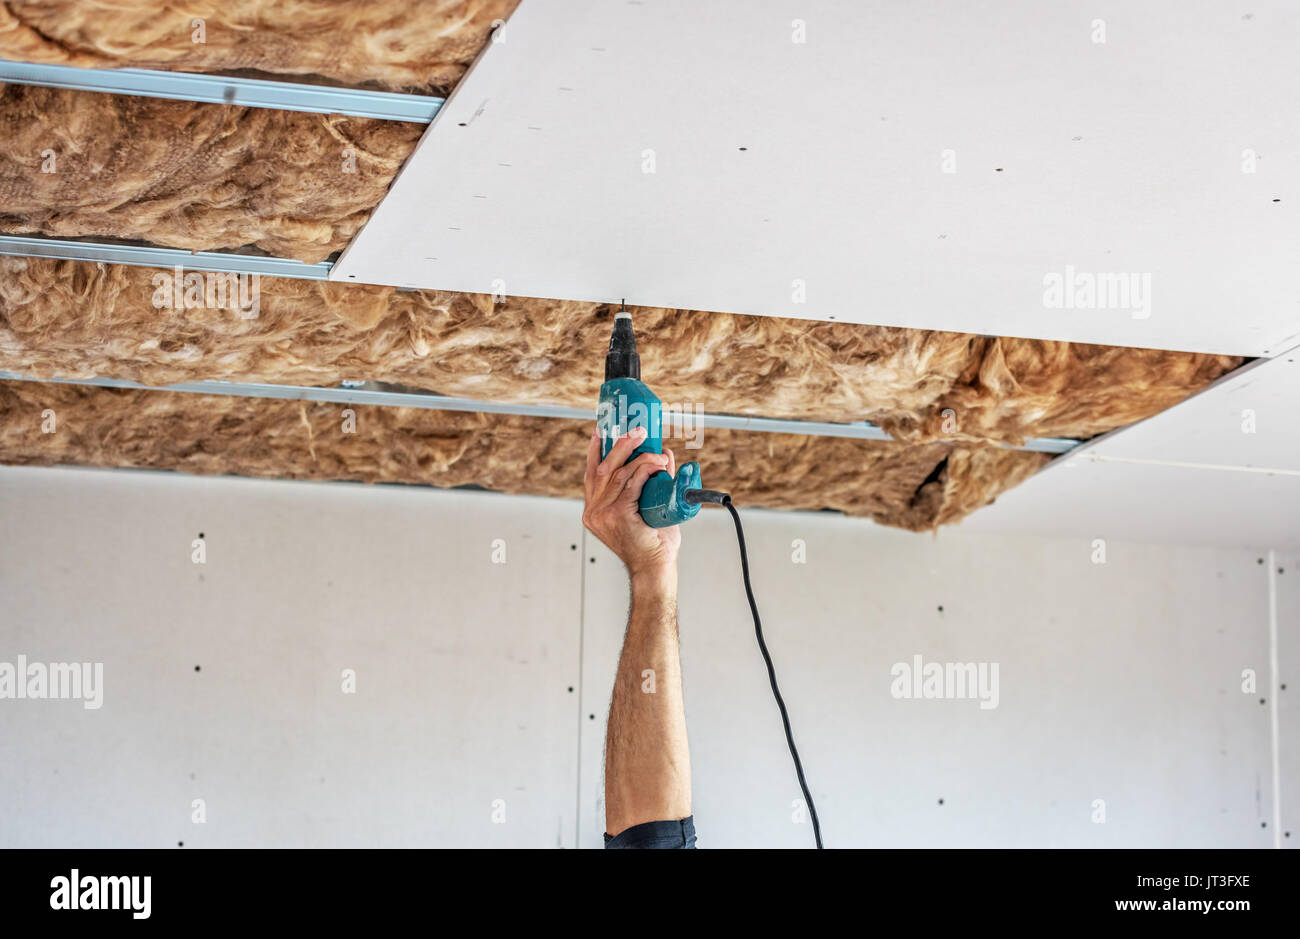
[1117, 682]
[462, 665]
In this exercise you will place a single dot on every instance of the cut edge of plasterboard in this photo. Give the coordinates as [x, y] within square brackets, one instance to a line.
[409, 162]
[1185, 464]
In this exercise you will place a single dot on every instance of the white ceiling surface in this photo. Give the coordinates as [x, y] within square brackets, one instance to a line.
[1191, 475]
[1122, 157]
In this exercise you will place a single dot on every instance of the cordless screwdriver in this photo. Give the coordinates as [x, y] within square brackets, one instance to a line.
[627, 402]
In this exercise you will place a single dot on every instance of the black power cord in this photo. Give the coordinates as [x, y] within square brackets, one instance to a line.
[695, 497]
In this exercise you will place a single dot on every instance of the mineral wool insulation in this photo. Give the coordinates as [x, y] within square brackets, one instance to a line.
[210, 177]
[912, 486]
[76, 164]
[76, 319]
[401, 46]
[933, 389]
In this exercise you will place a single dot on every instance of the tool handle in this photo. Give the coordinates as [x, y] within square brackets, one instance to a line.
[626, 403]
[663, 499]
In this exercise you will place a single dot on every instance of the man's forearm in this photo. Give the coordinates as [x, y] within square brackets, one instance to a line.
[647, 760]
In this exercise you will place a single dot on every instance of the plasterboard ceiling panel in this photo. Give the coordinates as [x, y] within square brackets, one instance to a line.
[1152, 503]
[1250, 419]
[1221, 468]
[971, 167]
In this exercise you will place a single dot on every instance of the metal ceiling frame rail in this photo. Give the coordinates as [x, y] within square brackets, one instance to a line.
[860, 430]
[168, 258]
[221, 89]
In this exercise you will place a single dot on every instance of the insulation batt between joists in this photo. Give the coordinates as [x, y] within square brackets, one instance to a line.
[917, 487]
[396, 46]
[82, 320]
[202, 177]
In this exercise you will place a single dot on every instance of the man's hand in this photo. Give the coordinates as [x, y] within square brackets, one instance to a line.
[610, 513]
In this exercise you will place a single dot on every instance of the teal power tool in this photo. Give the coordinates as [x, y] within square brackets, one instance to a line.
[627, 402]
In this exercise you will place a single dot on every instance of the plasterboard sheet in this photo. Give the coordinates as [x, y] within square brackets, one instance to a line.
[1221, 468]
[348, 666]
[1150, 502]
[1249, 419]
[1118, 682]
[700, 156]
